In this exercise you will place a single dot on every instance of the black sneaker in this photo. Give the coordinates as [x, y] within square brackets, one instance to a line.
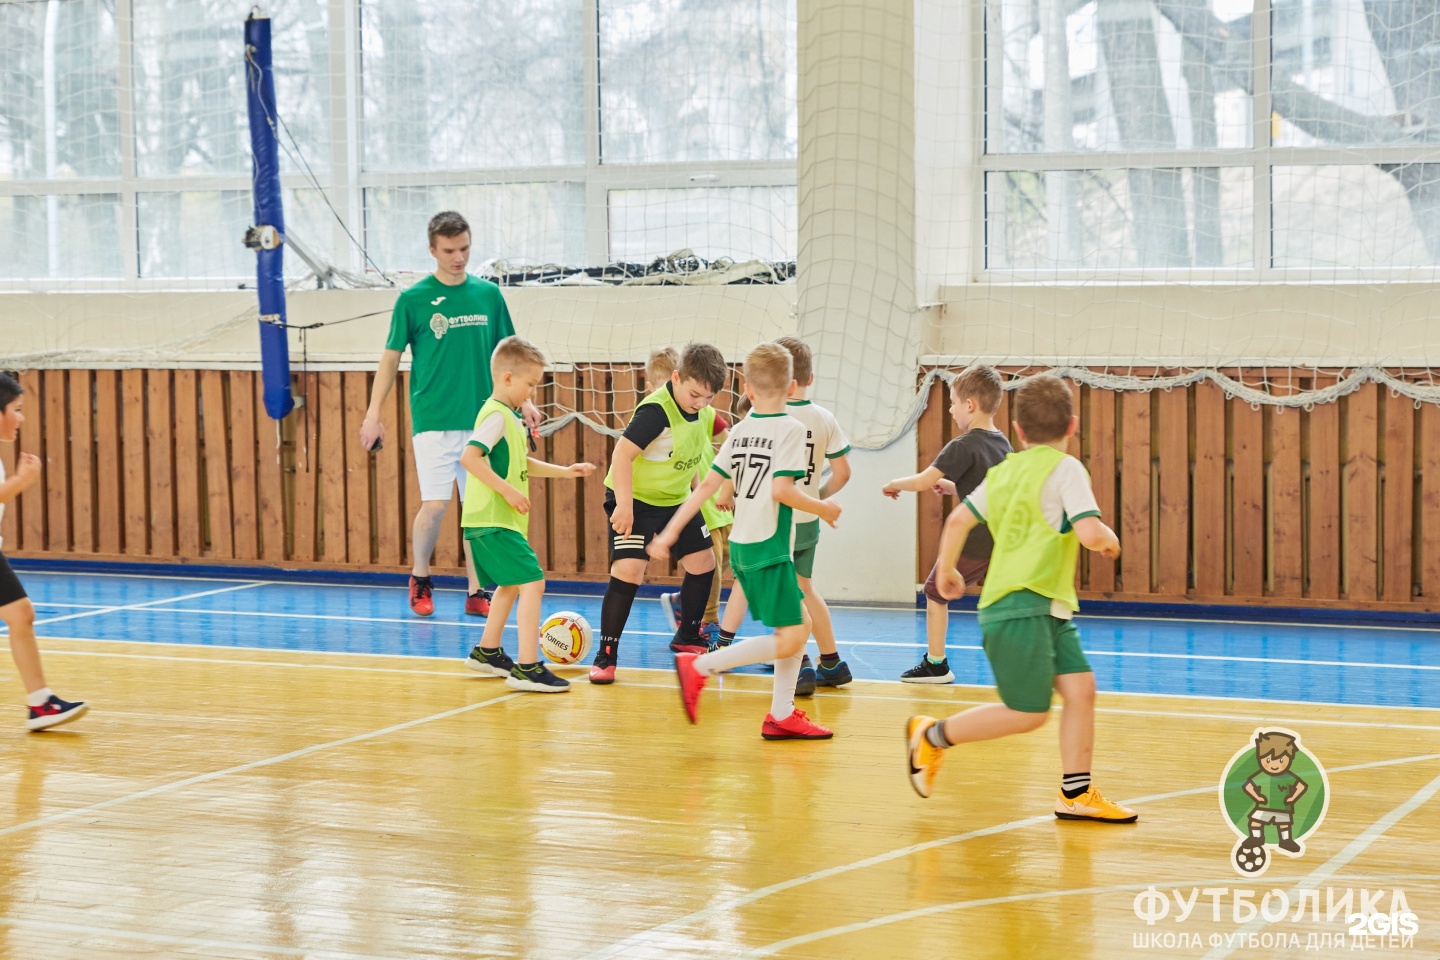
[697, 645]
[927, 672]
[805, 684]
[54, 712]
[492, 663]
[536, 678]
[836, 676]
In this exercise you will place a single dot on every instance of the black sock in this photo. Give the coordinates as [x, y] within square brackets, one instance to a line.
[728, 636]
[936, 736]
[1075, 784]
[830, 659]
[615, 611]
[694, 594]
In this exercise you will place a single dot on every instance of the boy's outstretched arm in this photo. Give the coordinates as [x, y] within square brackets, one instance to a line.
[783, 490]
[540, 469]
[622, 475]
[661, 543]
[839, 476]
[1094, 535]
[917, 483]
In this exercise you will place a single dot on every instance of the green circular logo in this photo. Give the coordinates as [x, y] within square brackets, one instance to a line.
[1239, 805]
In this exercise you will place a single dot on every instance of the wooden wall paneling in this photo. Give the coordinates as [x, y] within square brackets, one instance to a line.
[32, 440]
[306, 458]
[1429, 511]
[244, 500]
[1208, 490]
[1173, 567]
[82, 461]
[330, 411]
[1323, 501]
[1397, 524]
[358, 525]
[565, 535]
[1100, 449]
[1136, 523]
[152, 391]
[57, 464]
[1286, 516]
[590, 493]
[109, 469]
[1360, 495]
[390, 528]
[1247, 425]
[929, 509]
[270, 475]
[187, 465]
[215, 423]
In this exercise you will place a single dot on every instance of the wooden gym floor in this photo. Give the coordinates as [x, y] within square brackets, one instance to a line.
[300, 771]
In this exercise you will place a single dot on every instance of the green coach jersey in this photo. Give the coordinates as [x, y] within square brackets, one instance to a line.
[509, 457]
[451, 332]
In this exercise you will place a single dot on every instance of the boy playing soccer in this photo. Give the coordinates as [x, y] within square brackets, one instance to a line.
[651, 473]
[496, 518]
[1040, 510]
[824, 442]
[45, 709]
[760, 465]
[961, 465]
[661, 365]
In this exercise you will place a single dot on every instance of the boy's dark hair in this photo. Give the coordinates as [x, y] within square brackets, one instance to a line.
[1274, 745]
[447, 223]
[1043, 407]
[802, 361]
[9, 389]
[979, 382]
[704, 363]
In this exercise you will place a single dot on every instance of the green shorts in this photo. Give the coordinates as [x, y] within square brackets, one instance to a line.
[1027, 649]
[807, 535]
[773, 595]
[502, 556]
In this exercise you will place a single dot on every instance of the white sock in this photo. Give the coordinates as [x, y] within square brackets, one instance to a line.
[739, 654]
[39, 698]
[782, 701]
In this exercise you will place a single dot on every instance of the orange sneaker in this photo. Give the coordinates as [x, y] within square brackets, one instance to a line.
[797, 726]
[692, 681]
[922, 758]
[1092, 805]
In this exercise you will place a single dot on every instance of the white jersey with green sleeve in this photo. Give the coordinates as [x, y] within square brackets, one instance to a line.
[824, 440]
[760, 448]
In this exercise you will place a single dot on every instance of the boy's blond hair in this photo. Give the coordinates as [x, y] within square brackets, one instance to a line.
[514, 354]
[979, 382]
[661, 364]
[803, 361]
[1043, 407]
[768, 369]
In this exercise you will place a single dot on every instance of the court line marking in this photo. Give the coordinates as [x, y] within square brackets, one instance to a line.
[183, 941]
[1336, 863]
[148, 603]
[243, 767]
[646, 937]
[916, 645]
[917, 687]
[902, 608]
[849, 695]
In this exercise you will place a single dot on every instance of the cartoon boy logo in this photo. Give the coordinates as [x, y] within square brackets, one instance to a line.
[1273, 794]
[439, 325]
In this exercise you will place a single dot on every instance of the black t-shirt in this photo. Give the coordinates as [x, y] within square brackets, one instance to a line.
[964, 461]
[650, 421]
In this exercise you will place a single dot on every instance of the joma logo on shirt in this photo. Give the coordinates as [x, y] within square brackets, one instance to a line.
[441, 324]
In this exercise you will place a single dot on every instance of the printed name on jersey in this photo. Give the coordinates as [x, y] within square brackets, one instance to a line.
[758, 443]
[441, 324]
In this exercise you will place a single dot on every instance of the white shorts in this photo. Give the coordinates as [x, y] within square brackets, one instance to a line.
[437, 462]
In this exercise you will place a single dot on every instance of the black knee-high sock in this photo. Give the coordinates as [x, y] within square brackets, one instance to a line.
[694, 594]
[615, 610]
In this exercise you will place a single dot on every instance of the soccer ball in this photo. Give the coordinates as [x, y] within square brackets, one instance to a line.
[1250, 859]
[565, 637]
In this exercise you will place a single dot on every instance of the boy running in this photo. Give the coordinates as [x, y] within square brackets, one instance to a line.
[961, 465]
[651, 473]
[761, 464]
[1040, 509]
[496, 518]
[45, 709]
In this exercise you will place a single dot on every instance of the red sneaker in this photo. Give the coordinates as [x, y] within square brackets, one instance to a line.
[797, 726]
[696, 646]
[477, 604]
[603, 669]
[422, 601]
[692, 681]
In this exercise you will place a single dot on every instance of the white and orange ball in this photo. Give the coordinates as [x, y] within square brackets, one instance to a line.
[565, 637]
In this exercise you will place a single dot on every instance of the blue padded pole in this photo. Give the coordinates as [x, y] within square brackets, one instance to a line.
[268, 236]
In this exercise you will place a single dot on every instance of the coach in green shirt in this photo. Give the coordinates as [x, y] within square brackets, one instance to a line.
[451, 323]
